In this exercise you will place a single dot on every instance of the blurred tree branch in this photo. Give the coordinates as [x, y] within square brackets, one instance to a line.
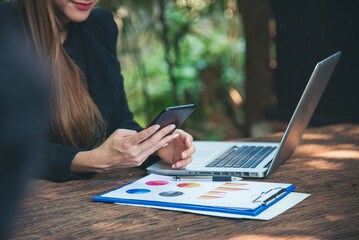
[166, 43]
[258, 88]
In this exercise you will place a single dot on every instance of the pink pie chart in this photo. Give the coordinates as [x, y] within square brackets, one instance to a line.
[156, 183]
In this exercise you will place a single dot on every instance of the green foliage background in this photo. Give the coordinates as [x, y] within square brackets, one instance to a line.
[203, 35]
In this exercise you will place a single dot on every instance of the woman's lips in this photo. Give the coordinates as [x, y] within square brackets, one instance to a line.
[82, 6]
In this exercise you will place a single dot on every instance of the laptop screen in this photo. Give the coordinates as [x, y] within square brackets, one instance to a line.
[305, 109]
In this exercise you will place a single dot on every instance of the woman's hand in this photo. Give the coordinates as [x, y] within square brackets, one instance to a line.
[127, 148]
[178, 152]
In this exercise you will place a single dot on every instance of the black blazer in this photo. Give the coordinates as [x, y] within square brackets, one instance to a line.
[92, 45]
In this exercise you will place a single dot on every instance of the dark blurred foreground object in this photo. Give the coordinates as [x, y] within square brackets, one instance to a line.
[23, 117]
[308, 31]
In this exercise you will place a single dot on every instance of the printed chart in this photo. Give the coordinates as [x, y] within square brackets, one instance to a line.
[171, 194]
[221, 191]
[138, 191]
[159, 188]
[156, 183]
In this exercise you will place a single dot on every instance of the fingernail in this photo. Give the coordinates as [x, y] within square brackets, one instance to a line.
[184, 155]
[157, 127]
[176, 135]
[177, 165]
[165, 145]
[171, 127]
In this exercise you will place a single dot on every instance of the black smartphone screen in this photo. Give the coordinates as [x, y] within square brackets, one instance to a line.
[173, 115]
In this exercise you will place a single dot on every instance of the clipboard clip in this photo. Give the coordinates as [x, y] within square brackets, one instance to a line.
[269, 196]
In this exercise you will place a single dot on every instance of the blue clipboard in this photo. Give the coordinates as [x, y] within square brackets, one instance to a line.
[266, 203]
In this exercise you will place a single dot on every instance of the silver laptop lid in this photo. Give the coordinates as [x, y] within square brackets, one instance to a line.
[305, 109]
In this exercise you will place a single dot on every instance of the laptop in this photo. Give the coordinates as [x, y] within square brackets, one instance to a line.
[257, 159]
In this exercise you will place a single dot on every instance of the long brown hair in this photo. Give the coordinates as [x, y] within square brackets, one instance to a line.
[76, 118]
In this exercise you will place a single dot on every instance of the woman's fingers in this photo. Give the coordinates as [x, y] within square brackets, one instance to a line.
[130, 145]
[157, 137]
[188, 152]
[182, 163]
[163, 142]
[187, 138]
[144, 134]
[186, 158]
[139, 146]
[132, 149]
[147, 137]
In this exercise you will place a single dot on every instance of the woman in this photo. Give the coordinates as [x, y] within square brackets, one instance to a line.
[93, 129]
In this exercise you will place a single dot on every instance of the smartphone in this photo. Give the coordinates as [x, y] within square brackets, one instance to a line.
[173, 115]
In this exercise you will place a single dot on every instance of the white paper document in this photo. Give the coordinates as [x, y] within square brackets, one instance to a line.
[234, 199]
[283, 205]
[240, 195]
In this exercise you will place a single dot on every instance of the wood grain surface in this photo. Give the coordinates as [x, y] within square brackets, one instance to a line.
[326, 165]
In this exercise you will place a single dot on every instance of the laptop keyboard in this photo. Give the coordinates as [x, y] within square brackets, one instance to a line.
[242, 157]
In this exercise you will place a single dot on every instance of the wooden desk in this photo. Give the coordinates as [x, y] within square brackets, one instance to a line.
[326, 165]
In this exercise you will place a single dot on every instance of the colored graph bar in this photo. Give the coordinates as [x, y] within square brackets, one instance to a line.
[229, 184]
[188, 185]
[209, 197]
[230, 189]
[216, 193]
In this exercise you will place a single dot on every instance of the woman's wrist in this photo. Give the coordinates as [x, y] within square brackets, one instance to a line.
[85, 161]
